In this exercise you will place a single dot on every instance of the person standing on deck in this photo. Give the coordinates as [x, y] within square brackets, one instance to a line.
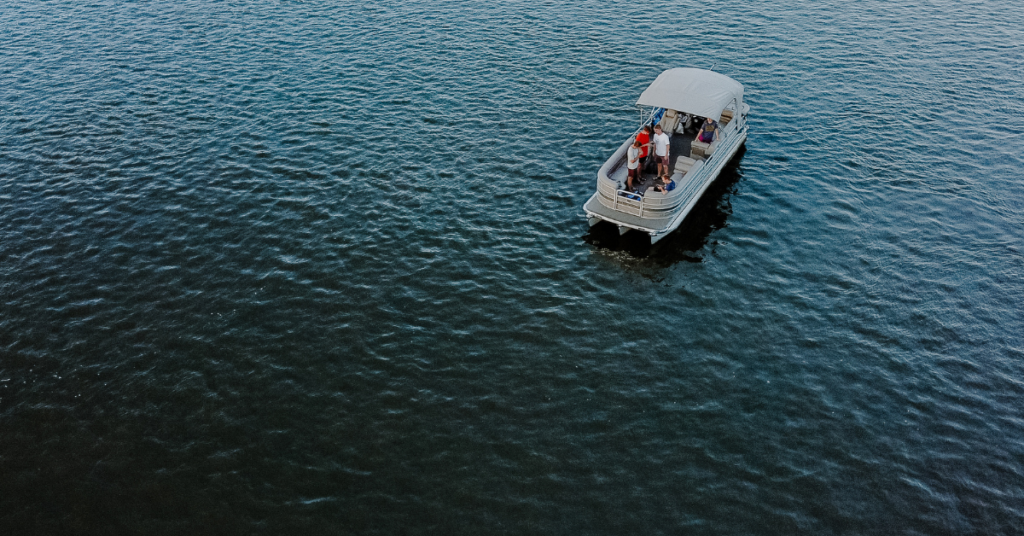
[644, 137]
[661, 150]
[633, 164]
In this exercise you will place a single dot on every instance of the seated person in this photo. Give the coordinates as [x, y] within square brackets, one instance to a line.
[666, 185]
[708, 132]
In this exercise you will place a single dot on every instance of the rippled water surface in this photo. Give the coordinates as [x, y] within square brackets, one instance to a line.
[289, 267]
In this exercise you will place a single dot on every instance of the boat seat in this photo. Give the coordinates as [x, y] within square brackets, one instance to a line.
[727, 116]
[655, 200]
[669, 121]
[697, 148]
[701, 149]
[683, 164]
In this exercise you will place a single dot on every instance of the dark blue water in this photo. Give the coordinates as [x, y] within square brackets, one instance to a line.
[283, 267]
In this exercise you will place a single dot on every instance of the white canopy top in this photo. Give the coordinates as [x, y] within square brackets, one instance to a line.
[693, 91]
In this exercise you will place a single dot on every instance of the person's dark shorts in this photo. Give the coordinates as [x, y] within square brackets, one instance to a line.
[633, 173]
[663, 160]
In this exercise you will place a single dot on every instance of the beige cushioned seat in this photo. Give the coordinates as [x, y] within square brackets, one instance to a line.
[669, 121]
[697, 149]
[727, 116]
[683, 164]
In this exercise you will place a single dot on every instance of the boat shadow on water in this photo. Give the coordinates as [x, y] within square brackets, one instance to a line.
[685, 243]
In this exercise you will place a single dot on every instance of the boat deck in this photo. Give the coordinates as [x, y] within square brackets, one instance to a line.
[657, 213]
[679, 145]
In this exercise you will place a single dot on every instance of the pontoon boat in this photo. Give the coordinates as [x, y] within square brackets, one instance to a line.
[679, 100]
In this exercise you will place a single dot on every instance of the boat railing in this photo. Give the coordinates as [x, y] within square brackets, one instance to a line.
[691, 188]
[652, 204]
[652, 119]
[622, 200]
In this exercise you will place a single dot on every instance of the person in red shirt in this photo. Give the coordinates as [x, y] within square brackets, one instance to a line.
[644, 137]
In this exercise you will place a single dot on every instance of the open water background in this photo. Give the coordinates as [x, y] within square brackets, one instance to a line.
[284, 267]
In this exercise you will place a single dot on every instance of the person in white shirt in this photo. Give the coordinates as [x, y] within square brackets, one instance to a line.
[633, 164]
[661, 150]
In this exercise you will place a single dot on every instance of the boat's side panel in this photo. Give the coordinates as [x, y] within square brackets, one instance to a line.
[595, 208]
[611, 165]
